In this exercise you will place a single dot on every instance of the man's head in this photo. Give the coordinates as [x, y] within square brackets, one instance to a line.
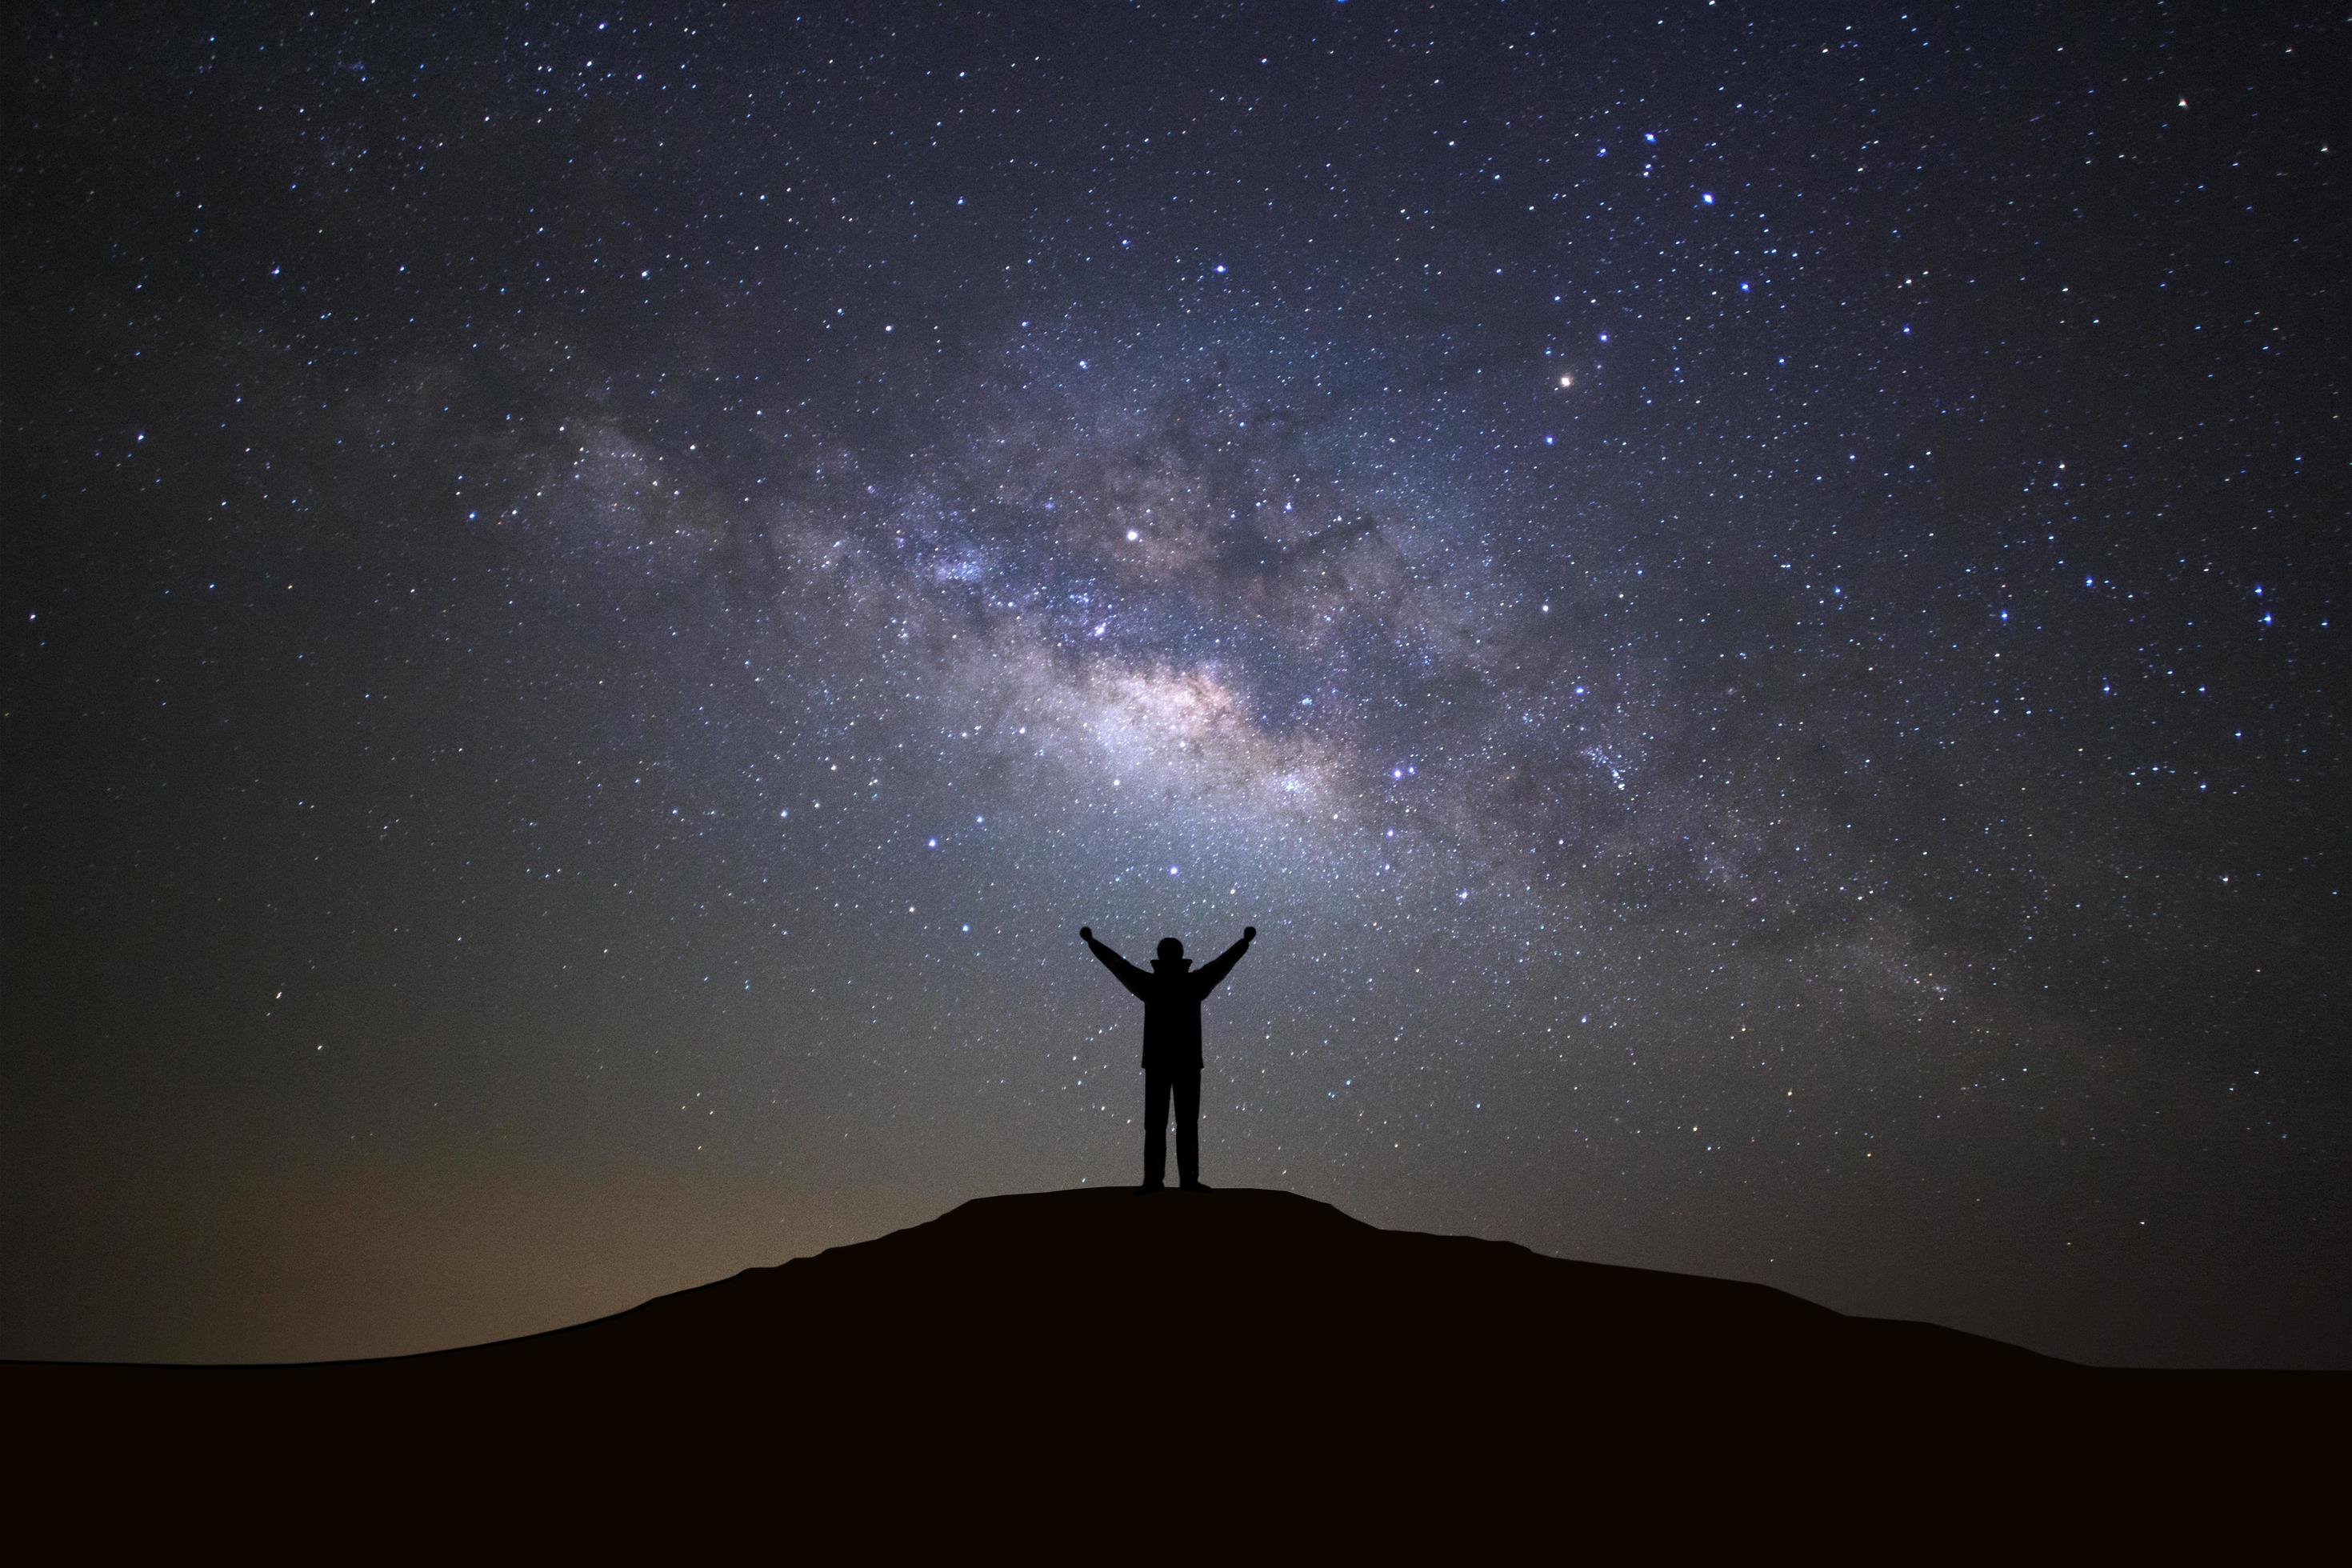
[1170, 950]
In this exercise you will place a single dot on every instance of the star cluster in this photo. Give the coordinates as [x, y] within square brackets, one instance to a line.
[1746, 596]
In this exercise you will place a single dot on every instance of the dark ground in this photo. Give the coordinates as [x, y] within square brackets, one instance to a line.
[1030, 1371]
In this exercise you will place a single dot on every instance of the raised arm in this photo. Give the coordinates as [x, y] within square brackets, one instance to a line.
[1128, 975]
[1218, 967]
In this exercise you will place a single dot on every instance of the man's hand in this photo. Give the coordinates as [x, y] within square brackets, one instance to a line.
[1249, 933]
[1086, 933]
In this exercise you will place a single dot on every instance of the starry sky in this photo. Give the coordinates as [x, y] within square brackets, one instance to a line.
[1750, 598]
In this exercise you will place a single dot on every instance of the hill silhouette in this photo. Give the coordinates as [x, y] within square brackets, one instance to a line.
[1269, 1343]
[1265, 1282]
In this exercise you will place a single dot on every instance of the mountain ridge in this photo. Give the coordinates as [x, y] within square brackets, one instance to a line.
[1037, 1367]
[1166, 1254]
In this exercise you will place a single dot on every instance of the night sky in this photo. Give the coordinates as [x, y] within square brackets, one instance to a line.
[1750, 599]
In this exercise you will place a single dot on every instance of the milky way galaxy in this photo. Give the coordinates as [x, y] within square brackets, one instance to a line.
[1744, 595]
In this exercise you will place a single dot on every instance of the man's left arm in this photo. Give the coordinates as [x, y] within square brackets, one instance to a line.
[1217, 968]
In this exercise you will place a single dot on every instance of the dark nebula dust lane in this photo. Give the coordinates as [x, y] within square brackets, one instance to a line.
[1745, 596]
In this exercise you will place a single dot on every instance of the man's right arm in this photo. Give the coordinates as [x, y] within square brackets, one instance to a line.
[1128, 975]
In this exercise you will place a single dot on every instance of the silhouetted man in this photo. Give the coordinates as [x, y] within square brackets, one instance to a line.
[1172, 995]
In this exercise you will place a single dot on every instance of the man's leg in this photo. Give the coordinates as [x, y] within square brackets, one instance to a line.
[1155, 1127]
[1188, 1124]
